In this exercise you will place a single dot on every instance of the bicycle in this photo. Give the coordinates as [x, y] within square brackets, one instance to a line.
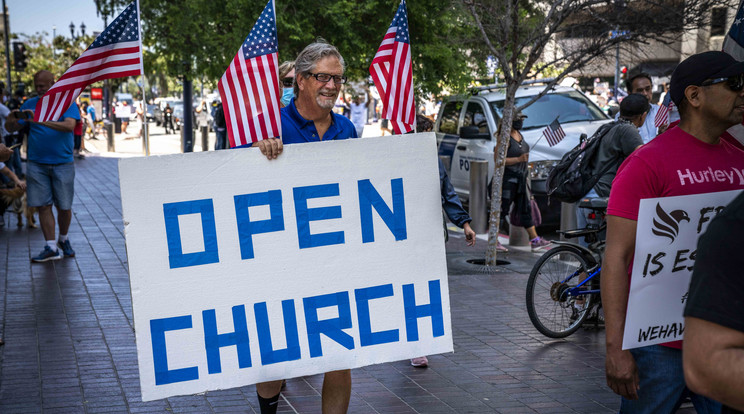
[563, 287]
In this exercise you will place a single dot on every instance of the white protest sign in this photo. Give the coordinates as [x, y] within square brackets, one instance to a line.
[666, 240]
[246, 270]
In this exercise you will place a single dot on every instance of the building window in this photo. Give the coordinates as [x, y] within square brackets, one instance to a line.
[718, 21]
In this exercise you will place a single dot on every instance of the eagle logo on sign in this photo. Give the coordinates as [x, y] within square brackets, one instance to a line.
[667, 224]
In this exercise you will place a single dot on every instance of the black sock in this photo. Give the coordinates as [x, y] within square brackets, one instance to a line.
[268, 405]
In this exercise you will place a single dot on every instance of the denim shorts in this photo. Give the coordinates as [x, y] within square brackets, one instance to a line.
[49, 184]
[662, 384]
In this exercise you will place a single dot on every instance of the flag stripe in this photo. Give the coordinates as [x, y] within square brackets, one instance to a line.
[250, 85]
[115, 53]
[392, 73]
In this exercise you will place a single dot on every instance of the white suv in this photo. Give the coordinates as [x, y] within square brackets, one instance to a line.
[575, 112]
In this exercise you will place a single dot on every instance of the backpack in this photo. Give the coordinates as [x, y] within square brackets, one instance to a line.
[575, 174]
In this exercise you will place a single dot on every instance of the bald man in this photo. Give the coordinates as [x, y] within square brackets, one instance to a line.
[50, 172]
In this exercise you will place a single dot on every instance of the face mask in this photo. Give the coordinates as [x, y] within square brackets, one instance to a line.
[517, 124]
[287, 95]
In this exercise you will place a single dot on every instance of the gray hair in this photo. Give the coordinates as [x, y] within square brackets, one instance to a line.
[310, 55]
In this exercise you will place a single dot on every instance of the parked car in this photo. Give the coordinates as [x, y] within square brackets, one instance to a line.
[154, 113]
[482, 111]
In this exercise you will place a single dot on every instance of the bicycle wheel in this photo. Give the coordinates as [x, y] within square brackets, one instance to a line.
[551, 311]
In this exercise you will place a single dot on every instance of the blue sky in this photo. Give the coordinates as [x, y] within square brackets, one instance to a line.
[32, 16]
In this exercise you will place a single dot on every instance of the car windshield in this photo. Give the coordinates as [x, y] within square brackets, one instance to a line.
[570, 106]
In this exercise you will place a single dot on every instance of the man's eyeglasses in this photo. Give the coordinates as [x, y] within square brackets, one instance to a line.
[288, 82]
[325, 78]
[734, 83]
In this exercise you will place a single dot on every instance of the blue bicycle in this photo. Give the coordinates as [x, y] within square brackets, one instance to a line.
[563, 288]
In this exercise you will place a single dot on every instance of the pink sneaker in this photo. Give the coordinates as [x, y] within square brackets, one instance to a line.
[538, 243]
[420, 362]
[500, 248]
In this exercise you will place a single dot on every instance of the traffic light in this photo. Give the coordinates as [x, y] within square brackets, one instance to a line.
[19, 56]
[623, 72]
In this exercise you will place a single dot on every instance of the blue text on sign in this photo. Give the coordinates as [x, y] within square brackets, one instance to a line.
[333, 328]
[369, 199]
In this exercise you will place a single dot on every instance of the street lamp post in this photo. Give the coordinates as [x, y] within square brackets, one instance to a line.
[82, 29]
[54, 36]
[72, 30]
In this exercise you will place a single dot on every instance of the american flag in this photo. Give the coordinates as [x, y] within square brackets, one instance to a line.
[392, 73]
[662, 115]
[733, 43]
[116, 53]
[554, 133]
[250, 86]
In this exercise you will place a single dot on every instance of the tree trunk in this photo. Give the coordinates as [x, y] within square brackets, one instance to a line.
[502, 145]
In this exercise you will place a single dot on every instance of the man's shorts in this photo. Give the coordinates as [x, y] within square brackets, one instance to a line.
[50, 184]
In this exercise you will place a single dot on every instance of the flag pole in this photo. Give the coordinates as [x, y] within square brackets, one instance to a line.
[145, 125]
[145, 129]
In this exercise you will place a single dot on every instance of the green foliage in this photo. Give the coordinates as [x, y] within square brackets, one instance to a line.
[199, 37]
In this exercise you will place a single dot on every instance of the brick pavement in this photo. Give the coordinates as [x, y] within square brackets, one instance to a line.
[70, 344]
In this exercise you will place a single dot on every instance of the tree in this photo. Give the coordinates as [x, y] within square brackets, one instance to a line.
[197, 38]
[520, 33]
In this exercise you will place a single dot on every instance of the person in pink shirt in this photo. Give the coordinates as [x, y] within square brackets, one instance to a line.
[690, 158]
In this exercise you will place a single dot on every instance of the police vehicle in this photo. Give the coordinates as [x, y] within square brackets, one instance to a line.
[466, 131]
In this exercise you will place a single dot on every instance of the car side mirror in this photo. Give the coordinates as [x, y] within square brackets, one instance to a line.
[473, 132]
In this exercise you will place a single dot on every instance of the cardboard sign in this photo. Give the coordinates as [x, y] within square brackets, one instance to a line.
[666, 241]
[245, 270]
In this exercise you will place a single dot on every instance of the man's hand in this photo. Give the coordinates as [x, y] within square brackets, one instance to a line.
[270, 147]
[5, 153]
[622, 374]
[469, 234]
[21, 184]
[662, 129]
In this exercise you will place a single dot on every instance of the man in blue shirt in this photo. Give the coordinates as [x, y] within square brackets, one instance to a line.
[309, 117]
[319, 74]
[50, 172]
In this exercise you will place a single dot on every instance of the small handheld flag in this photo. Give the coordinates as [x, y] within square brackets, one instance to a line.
[250, 86]
[116, 53]
[554, 133]
[662, 115]
[392, 73]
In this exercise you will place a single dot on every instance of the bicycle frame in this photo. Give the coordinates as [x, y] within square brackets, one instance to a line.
[576, 291]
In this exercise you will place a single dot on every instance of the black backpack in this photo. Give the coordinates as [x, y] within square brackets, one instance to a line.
[576, 173]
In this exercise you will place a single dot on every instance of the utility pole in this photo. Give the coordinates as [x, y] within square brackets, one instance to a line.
[7, 45]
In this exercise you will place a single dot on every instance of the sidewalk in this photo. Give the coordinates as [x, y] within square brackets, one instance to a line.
[70, 343]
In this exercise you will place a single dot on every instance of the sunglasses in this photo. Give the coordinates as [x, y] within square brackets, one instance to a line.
[734, 83]
[288, 82]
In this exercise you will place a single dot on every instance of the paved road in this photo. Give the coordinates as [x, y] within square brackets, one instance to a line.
[70, 344]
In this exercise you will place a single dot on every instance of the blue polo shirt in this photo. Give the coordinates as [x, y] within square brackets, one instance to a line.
[47, 146]
[296, 129]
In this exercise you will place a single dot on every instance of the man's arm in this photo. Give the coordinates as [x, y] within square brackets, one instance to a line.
[620, 367]
[66, 125]
[11, 122]
[5, 153]
[10, 174]
[713, 361]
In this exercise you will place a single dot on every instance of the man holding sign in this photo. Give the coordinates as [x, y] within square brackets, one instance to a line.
[319, 74]
[708, 89]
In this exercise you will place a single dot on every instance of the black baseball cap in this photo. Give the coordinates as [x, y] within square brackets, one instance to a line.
[633, 105]
[698, 68]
